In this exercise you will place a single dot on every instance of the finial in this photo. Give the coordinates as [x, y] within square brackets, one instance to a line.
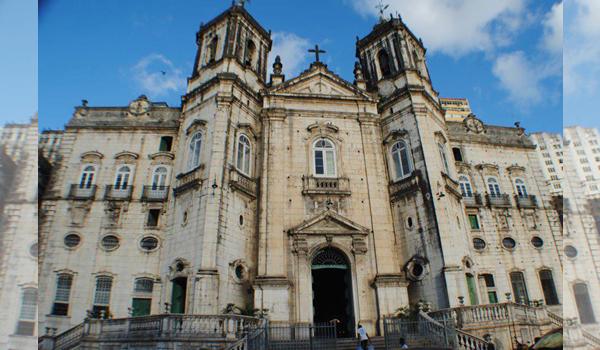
[358, 74]
[517, 124]
[381, 7]
[84, 103]
[277, 66]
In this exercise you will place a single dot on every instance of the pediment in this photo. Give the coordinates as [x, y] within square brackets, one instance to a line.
[318, 81]
[329, 223]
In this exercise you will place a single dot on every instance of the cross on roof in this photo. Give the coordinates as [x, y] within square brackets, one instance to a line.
[316, 51]
[381, 7]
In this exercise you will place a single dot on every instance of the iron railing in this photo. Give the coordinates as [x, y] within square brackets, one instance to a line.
[120, 192]
[499, 200]
[528, 201]
[474, 200]
[155, 193]
[86, 192]
[302, 336]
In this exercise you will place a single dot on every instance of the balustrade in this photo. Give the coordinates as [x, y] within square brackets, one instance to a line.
[239, 181]
[324, 185]
[155, 193]
[118, 192]
[529, 201]
[78, 192]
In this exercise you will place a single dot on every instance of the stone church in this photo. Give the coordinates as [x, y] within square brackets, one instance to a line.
[307, 198]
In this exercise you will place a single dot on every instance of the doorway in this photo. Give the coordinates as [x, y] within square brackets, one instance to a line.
[178, 295]
[332, 290]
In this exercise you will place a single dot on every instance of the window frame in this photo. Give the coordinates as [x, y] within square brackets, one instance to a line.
[324, 151]
[402, 146]
[246, 155]
[161, 176]
[107, 296]
[498, 190]
[194, 161]
[87, 178]
[521, 188]
[380, 54]
[444, 157]
[465, 183]
[66, 292]
[123, 178]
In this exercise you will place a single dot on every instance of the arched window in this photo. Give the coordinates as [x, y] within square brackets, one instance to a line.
[122, 178]
[194, 151]
[87, 176]
[465, 186]
[324, 158]
[28, 312]
[384, 63]
[493, 187]
[548, 287]
[159, 178]
[401, 158]
[584, 304]
[521, 188]
[444, 158]
[212, 50]
[63, 294]
[102, 296]
[244, 154]
[250, 53]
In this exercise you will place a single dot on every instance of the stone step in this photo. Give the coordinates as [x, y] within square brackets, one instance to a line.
[379, 344]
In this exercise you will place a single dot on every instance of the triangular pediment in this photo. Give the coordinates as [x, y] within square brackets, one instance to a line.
[328, 223]
[318, 81]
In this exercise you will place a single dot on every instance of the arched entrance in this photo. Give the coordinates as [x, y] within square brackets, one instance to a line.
[332, 290]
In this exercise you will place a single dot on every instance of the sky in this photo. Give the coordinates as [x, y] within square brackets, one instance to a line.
[504, 56]
[18, 60]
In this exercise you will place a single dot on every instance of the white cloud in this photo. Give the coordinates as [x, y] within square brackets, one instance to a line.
[293, 52]
[157, 76]
[456, 27]
[552, 39]
[522, 78]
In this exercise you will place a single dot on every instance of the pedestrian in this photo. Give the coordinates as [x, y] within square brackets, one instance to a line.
[363, 337]
[403, 344]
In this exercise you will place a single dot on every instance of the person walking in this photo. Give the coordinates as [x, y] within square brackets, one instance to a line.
[363, 337]
[403, 344]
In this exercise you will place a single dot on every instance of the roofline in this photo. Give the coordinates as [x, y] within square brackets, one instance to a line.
[233, 10]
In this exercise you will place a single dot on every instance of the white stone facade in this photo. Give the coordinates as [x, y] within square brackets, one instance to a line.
[363, 173]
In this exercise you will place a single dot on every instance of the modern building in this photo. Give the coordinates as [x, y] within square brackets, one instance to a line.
[583, 146]
[308, 199]
[18, 236]
[551, 157]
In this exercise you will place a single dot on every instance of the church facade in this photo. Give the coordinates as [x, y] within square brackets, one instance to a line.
[308, 199]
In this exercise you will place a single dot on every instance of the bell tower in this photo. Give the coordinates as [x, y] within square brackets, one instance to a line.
[392, 62]
[392, 56]
[233, 42]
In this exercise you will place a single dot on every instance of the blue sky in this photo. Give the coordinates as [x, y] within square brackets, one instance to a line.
[501, 55]
[18, 60]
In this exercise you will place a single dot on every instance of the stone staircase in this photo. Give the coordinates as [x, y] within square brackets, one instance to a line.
[418, 343]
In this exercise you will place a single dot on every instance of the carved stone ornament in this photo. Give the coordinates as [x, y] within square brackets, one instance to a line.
[473, 124]
[139, 106]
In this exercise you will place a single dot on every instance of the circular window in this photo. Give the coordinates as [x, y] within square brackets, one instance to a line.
[478, 243]
[409, 222]
[110, 242]
[241, 220]
[33, 250]
[179, 266]
[509, 243]
[239, 272]
[149, 243]
[72, 240]
[570, 251]
[417, 270]
[537, 242]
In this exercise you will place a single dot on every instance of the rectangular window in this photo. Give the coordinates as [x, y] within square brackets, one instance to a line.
[63, 293]
[153, 215]
[457, 154]
[140, 307]
[488, 281]
[166, 142]
[474, 221]
[28, 312]
[548, 287]
[442, 151]
[517, 280]
[102, 296]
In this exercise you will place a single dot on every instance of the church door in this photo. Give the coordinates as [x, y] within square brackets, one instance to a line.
[332, 290]
[178, 296]
[472, 289]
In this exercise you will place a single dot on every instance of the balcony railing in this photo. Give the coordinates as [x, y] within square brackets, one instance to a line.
[473, 201]
[500, 200]
[241, 182]
[155, 193]
[122, 193]
[324, 185]
[77, 192]
[405, 186]
[189, 180]
[529, 201]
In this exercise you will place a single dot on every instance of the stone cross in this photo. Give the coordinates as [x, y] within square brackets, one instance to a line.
[316, 51]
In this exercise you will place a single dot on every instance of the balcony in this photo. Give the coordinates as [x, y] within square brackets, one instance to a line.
[325, 185]
[118, 193]
[405, 186]
[188, 180]
[526, 202]
[77, 192]
[155, 193]
[473, 201]
[243, 183]
[500, 200]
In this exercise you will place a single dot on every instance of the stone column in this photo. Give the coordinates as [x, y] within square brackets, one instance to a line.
[304, 310]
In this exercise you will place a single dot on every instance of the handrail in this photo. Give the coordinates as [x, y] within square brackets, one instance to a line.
[591, 338]
[556, 319]
[462, 339]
